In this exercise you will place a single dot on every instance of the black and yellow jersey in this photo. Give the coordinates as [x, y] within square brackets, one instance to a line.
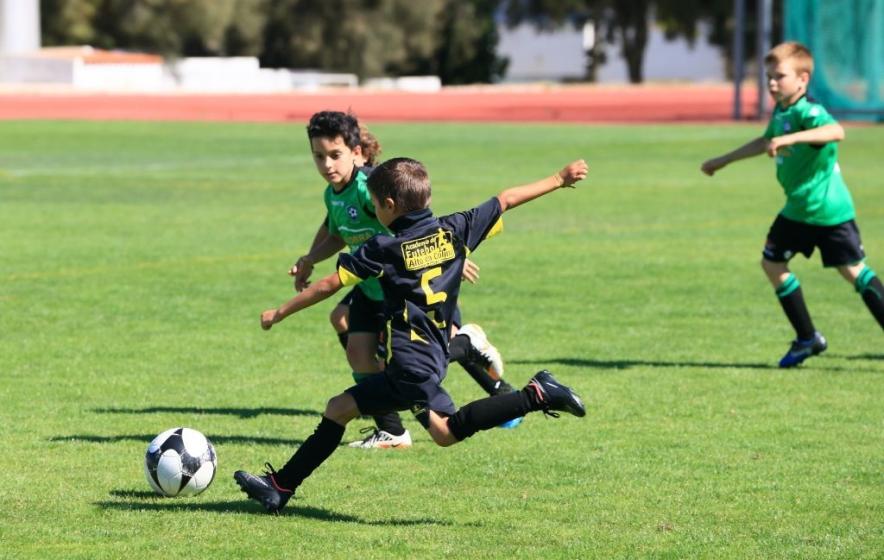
[419, 268]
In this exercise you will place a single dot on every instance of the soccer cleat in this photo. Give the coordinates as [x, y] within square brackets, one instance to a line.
[510, 424]
[491, 357]
[264, 489]
[379, 439]
[551, 395]
[803, 349]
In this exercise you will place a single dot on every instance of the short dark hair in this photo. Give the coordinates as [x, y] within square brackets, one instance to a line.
[404, 180]
[331, 124]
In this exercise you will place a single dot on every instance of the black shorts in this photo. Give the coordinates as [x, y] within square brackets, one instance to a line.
[399, 390]
[839, 244]
[365, 315]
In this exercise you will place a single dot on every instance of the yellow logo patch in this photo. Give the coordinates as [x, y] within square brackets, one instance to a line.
[428, 251]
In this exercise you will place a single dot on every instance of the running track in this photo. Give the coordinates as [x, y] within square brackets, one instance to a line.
[578, 104]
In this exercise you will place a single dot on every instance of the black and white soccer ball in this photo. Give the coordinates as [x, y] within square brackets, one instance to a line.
[180, 462]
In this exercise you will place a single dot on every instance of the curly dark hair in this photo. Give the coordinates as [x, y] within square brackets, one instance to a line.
[330, 124]
[371, 148]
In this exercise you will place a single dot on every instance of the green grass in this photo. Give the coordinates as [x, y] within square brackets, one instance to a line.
[136, 259]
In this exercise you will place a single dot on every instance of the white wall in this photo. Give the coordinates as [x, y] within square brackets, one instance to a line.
[536, 56]
[19, 26]
[560, 56]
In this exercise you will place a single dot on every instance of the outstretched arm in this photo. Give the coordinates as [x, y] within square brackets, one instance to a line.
[833, 132]
[752, 148]
[516, 196]
[317, 292]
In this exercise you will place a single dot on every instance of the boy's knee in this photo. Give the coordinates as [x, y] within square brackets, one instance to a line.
[341, 408]
[338, 319]
[443, 438]
[437, 427]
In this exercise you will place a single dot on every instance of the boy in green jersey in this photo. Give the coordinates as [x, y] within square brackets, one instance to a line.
[335, 142]
[819, 212]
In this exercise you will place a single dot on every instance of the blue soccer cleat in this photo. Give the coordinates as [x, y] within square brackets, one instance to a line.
[510, 424]
[803, 349]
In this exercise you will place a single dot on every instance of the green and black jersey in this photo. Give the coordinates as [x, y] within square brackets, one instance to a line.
[816, 193]
[351, 217]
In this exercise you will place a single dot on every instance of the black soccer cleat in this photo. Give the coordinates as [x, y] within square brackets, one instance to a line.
[551, 395]
[264, 489]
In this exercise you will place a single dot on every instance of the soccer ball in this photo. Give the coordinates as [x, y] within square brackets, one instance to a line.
[180, 462]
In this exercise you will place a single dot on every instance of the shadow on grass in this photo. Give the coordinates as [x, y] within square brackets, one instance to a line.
[879, 357]
[146, 438]
[243, 413]
[817, 363]
[148, 501]
[626, 364]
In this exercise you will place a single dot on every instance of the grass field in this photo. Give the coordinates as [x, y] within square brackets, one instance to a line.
[136, 259]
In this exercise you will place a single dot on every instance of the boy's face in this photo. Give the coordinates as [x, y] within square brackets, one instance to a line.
[334, 159]
[785, 84]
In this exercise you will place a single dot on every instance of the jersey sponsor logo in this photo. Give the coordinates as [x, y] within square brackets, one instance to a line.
[787, 126]
[353, 237]
[428, 251]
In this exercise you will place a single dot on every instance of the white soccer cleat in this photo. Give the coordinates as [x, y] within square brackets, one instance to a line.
[479, 341]
[379, 439]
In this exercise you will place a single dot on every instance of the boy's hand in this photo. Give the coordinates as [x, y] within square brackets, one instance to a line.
[775, 144]
[573, 172]
[710, 166]
[470, 271]
[268, 319]
[301, 270]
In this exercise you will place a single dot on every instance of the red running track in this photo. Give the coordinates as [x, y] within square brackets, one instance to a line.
[579, 104]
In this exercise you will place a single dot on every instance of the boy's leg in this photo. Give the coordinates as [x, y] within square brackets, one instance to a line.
[338, 319]
[785, 239]
[274, 489]
[470, 348]
[788, 291]
[542, 393]
[389, 432]
[367, 323]
[868, 286]
[842, 247]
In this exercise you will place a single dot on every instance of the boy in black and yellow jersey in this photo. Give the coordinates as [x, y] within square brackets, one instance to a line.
[419, 268]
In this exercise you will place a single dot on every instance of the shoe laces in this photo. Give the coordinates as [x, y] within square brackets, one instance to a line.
[544, 405]
[270, 473]
[369, 430]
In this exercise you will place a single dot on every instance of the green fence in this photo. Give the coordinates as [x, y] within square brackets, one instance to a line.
[846, 38]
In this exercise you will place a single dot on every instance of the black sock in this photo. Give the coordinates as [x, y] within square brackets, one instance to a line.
[458, 347]
[873, 296]
[461, 351]
[342, 338]
[792, 301]
[312, 453]
[488, 413]
[390, 422]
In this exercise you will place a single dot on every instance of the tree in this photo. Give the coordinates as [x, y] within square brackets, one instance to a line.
[166, 27]
[455, 39]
